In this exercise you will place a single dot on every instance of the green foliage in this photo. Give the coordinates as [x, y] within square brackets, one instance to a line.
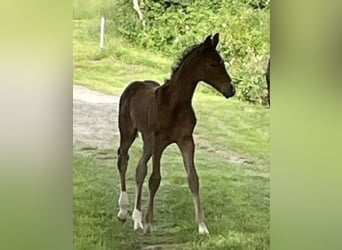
[171, 26]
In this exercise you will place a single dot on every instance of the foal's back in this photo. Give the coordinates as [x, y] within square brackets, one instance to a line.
[137, 105]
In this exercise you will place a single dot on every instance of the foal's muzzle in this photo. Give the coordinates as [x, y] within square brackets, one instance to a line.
[230, 92]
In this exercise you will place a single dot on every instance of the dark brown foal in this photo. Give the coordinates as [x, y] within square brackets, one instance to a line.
[164, 115]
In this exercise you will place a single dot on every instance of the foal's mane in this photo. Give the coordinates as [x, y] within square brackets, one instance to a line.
[181, 59]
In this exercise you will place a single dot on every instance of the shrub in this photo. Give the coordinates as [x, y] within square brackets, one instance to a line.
[173, 25]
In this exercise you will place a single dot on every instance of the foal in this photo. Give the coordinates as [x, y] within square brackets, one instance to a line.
[164, 115]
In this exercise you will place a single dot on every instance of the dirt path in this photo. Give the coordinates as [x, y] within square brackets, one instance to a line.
[94, 119]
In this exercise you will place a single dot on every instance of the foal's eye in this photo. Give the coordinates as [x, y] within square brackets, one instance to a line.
[213, 64]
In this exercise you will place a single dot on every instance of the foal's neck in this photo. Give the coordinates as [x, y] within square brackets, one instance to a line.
[181, 87]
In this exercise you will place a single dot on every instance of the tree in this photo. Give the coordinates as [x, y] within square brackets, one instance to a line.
[136, 7]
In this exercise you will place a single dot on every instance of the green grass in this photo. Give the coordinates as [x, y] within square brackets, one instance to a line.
[235, 197]
[231, 125]
[110, 69]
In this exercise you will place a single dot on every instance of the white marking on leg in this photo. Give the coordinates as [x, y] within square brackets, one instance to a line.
[123, 206]
[202, 228]
[137, 218]
[136, 197]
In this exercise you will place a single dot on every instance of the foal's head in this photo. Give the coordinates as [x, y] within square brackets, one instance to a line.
[211, 67]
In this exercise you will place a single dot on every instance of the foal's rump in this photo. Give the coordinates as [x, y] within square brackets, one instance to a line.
[136, 104]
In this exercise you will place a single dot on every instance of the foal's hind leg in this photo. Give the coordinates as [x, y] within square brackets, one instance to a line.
[127, 137]
[159, 145]
[140, 177]
[187, 147]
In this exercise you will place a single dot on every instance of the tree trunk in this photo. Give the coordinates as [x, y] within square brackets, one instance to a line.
[136, 7]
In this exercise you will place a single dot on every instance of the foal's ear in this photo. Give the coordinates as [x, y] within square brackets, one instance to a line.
[215, 40]
[207, 42]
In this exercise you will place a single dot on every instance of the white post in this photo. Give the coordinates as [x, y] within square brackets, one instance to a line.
[102, 32]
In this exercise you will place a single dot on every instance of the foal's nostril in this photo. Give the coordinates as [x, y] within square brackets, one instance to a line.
[233, 90]
[229, 90]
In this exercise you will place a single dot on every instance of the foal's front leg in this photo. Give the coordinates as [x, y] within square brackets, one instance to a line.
[187, 148]
[140, 176]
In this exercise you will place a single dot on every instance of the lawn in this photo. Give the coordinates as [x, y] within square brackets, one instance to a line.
[235, 194]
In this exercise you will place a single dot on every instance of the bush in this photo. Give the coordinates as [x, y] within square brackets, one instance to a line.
[173, 25]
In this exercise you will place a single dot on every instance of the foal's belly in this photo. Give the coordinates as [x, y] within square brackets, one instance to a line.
[175, 130]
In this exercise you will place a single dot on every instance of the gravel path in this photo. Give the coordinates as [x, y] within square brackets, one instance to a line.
[94, 119]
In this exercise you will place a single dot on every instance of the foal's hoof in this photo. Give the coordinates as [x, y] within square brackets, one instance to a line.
[122, 216]
[138, 225]
[202, 229]
[148, 228]
[123, 220]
